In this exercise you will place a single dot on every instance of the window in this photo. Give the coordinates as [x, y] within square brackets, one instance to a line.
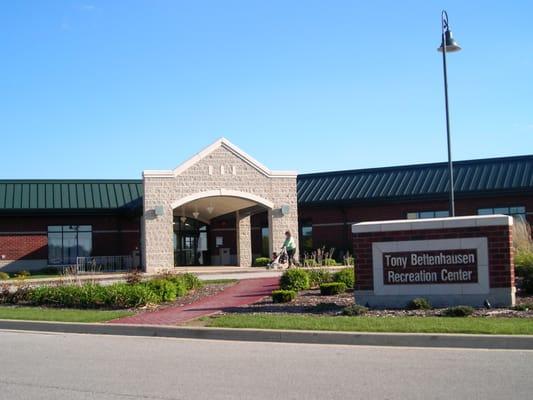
[265, 242]
[427, 214]
[516, 211]
[307, 236]
[66, 242]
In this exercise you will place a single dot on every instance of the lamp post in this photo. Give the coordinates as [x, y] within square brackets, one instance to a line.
[448, 45]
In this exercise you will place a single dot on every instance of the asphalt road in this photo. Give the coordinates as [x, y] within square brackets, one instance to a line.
[75, 367]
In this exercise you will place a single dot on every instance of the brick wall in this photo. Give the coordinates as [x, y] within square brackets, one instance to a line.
[23, 246]
[25, 237]
[332, 223]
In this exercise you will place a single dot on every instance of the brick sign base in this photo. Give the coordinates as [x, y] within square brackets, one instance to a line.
[449, 261]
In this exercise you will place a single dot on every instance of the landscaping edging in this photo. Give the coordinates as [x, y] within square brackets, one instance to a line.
[507, 342]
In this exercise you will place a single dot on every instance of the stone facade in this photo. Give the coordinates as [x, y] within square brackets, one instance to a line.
[220, 169]
[244, 241]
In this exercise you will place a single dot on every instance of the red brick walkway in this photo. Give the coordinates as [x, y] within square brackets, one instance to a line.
[247, 291]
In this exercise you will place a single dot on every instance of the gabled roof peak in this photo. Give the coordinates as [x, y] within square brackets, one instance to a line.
[226, 144]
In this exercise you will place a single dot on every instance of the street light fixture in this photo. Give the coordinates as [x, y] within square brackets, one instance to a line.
[448, 45]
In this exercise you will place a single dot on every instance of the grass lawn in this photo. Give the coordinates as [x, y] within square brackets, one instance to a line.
[219, 281]
[60, 314]
[511, 326]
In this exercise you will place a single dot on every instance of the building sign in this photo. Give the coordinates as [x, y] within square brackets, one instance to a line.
[430, 267]
[454, 266]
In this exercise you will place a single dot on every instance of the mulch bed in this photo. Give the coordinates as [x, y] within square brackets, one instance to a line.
[311, 302]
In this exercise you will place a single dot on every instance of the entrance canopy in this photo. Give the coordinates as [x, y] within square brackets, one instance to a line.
[214, 228]
[214, 203]
[220, 180]
[207, 208]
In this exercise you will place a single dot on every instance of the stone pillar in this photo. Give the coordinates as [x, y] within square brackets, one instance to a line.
[244, 239]
[279, 224]
[158, 244]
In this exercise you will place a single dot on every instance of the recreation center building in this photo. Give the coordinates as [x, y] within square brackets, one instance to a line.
[222, 207]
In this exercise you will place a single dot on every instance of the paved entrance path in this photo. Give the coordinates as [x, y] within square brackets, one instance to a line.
[245, 292]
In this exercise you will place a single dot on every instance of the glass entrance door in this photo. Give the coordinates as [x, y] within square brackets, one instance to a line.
[190, 242]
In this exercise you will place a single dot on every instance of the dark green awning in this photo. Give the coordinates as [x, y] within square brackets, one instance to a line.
[70, 195]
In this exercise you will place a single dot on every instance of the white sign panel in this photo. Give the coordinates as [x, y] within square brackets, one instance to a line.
[439, 267]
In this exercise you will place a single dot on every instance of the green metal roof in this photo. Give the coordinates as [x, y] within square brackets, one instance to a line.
[490, 176]
[70, 195]
[493, 176]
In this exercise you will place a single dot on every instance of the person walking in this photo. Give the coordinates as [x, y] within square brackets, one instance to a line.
[290, 248]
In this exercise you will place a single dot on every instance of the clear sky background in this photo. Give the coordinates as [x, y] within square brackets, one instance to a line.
[105, 89]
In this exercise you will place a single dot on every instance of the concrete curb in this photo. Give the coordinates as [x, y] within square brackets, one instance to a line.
[508, 342]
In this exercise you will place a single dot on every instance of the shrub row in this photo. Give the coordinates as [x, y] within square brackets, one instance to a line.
[294, 279]
[319, 276]
[524, 269]
[118, 295]
[346, 276]
[332, 288]
[283, 296]
[90, 295]
[419, 303]
[301, 279]
[261, 261]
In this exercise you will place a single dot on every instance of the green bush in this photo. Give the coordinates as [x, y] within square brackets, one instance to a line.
[3, 276]
[294, 279]
[164, 289]
[527, 283]
[261, 261]
[458, 311]
[91, 295]
[310, 262]
[330, 262]
[122, 295]
[354, 310]
[524, 269]
[318, 277]
[191, 281]
[523, 261]
[332, 288]
[419, 303]
[183, 282]
[283, 296]
[88, 295]
[346, 276]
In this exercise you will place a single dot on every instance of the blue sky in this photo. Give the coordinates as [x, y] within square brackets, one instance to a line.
[105, 89]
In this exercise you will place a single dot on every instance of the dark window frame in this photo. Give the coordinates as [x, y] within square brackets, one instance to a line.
[418, 214]
[65, 231]
[522, 214]
[306, 224]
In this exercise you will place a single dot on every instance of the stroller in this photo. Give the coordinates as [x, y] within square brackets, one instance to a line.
[280, 261]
